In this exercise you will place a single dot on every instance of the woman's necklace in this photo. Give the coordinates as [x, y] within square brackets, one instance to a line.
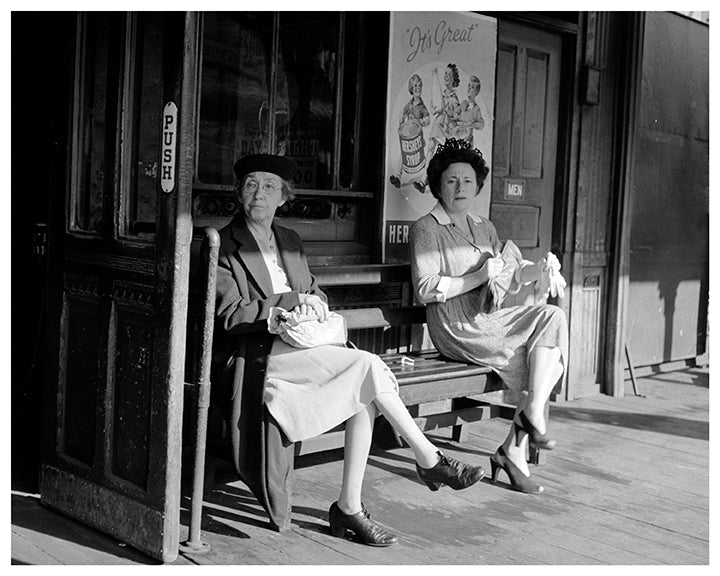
[463, 227]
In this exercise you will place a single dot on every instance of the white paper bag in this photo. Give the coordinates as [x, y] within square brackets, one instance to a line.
[305, 330]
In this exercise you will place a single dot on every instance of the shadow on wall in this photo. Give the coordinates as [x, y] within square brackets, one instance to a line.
[669, 241]
[668, 293]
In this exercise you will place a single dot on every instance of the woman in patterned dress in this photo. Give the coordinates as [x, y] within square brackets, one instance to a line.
[455, 253]
[310, 391]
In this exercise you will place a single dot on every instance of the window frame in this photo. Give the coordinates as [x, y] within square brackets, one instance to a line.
[359, 139]
[126, 131]
[121, 129]
[129, 129]
[79, 115]
[336, 190]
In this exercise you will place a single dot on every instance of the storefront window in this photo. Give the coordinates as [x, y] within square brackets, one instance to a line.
[235, 97]
[306, 85]
[142, 123]
[89, 166]
[283, 83]
[305, 96]
[117, 115]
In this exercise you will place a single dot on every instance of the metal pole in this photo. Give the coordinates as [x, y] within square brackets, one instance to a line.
[632, 373]
[193, 544]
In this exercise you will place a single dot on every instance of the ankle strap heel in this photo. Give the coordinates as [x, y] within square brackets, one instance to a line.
[537, 440]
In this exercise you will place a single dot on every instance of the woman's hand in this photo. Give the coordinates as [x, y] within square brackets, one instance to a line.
[551, 262]
[312, 303]
[492, 267]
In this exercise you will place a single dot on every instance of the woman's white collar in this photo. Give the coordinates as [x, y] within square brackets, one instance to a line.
[442, 217]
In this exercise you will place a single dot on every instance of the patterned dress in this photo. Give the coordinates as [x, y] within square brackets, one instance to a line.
[501, 340]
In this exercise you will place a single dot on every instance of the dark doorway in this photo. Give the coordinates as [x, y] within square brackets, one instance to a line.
[38, 117]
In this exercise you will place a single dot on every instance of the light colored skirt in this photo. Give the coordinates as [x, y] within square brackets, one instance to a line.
[310, 391]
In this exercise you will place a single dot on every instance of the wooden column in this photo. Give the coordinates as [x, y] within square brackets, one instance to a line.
[620, 256]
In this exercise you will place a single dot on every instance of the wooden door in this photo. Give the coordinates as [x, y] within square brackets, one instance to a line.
[525, 140]
[119, 250]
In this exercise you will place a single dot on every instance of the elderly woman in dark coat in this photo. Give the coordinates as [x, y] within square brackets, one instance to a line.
[309, 391]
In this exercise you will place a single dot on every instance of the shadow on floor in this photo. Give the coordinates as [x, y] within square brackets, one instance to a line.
[698, 377]
[28, 513]
[634, 420]
[227, 500]
[236, 504]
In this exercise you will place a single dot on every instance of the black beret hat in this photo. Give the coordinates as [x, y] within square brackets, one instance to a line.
[283, 167]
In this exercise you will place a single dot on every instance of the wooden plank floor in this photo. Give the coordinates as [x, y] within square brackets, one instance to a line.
[627, 484]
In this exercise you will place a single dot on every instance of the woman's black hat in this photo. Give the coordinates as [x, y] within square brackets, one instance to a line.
[280, 165]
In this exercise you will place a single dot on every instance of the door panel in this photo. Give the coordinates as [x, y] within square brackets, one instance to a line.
[504, 88]
[77, 390]
[536, 80]
[120, 245]
[130, 381]
[525, 140]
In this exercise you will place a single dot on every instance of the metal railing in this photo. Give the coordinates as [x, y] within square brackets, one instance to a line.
[211, 247]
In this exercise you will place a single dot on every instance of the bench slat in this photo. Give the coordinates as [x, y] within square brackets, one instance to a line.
[359, 318]
[434, 390]
[428, 367]
[424, 365]
[404, 378]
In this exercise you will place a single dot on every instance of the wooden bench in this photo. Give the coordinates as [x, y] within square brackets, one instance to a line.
[438, 392]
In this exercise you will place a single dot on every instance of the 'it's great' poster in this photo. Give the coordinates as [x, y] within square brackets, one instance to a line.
[441, 85]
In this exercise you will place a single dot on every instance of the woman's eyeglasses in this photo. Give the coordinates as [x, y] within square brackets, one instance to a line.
[268, 186]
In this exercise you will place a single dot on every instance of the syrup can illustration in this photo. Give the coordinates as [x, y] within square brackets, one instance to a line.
[412, 146]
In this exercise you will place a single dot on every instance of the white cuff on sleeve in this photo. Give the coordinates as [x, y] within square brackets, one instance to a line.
[519, 274]
[442, 288]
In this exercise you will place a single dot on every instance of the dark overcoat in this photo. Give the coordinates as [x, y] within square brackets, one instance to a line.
[262, 455]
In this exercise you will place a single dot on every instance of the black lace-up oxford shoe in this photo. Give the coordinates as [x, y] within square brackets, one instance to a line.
[451, 472]
[365, 528]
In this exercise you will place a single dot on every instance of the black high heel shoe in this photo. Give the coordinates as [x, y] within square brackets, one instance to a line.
[449, 471]
[365, 529]
[537, 440]
[518, 480]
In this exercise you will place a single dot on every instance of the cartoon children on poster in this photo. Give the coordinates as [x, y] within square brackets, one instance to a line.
[446, 118]
[415, 116]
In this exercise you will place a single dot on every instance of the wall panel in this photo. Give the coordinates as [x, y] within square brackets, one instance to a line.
[669, 239]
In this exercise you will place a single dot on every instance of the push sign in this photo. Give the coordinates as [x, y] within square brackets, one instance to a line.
[169, 139]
